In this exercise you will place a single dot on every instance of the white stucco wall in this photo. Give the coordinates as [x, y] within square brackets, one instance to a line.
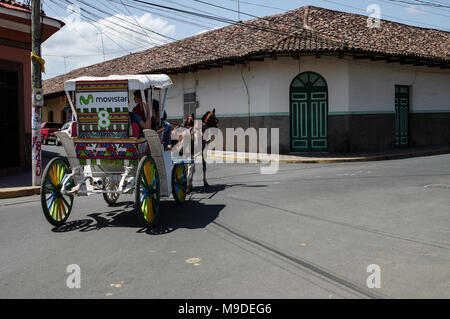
[372, 87]
[268, 85]
[354, 86]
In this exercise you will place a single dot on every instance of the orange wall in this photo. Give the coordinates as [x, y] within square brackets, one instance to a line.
[21, 56]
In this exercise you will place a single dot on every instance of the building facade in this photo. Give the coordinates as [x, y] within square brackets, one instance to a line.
[56, 109]
[324, 104]
[15, 82]
[326, 80]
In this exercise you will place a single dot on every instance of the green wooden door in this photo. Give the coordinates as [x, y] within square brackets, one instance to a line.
[401, 115]
[309, 113]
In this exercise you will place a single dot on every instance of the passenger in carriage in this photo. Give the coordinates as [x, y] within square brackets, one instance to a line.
[154, 121]
[138, 115]
[190, 121]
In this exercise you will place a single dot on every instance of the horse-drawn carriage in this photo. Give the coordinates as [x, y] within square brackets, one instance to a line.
[108, 154]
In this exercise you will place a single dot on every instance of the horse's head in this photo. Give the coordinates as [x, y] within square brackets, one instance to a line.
[210, 119]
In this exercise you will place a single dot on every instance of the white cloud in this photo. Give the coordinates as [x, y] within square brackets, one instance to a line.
[81, 41]
[207, 30]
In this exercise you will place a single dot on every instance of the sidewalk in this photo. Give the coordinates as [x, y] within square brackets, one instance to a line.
[18, 185]
[332, 158]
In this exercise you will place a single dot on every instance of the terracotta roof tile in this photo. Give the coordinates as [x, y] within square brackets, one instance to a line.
[10, 4]
[15, 5]
[306, 29]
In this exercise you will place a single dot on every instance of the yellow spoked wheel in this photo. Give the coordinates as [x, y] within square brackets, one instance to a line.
[56, 206]
[147, 191]
[179, 183]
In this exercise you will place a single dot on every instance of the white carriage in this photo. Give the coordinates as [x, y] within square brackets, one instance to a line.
[106, 152]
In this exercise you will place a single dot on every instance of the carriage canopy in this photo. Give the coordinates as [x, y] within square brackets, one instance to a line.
[135, 82]
[101, 106]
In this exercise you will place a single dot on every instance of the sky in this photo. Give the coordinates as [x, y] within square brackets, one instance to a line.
[101, 30]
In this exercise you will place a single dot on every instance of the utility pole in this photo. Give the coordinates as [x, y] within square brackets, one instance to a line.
[65, 64]
[37, 94]
[239, 11]
[103, 47]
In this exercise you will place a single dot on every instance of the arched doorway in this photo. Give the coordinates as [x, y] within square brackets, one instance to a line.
[309, 113]
[63, 116]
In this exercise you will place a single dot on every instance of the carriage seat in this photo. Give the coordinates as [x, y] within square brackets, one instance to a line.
[134, 130]
[73, 129]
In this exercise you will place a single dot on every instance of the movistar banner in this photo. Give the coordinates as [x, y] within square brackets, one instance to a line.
[102, 99]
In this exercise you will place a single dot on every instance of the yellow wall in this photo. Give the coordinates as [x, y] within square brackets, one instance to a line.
[56, 105]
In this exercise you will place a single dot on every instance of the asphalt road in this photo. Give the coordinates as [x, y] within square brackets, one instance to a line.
[309, 231]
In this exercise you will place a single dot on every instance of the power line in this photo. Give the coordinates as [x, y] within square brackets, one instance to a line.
[250, 25]
[170, 17]
[93, 23]
[260, 5]
[160, 34]
[216, 18]
[421, 10]
[423, 3]
[133, 31]
[360, 9]
[117, 18]
[225, 8]
[207, 16]
[192, 8]
[135, 20]
[88, 55]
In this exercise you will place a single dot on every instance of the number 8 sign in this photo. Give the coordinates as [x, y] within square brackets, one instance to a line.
[103, 119]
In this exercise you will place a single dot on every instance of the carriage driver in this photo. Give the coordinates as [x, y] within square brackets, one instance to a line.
[138, 115]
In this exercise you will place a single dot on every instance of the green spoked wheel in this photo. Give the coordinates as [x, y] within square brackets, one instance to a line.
[56, 207]
[147, 191]
[179, 183]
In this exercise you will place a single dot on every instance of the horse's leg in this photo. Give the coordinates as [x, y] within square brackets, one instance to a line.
[190, 177]
[205, 183]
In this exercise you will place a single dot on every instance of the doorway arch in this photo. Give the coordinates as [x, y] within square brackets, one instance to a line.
[309, 113]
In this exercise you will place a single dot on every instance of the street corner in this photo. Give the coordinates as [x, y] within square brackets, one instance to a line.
[13, 192]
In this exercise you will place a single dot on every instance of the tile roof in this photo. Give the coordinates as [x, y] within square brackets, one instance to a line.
[306, 29]
[10, 4]
[15, 5]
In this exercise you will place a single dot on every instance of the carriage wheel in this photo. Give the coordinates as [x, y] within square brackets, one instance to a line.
[56, 207]
[179, 183]
[110, 198]
[147, 191]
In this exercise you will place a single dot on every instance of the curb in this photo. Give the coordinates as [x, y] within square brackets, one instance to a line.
[337, 160]
[12, 192]
[19, 191]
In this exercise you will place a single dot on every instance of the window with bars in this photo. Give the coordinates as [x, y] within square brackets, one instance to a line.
[189, 104]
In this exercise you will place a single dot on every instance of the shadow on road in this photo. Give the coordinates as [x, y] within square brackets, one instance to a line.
[191, 215]
[215, 189]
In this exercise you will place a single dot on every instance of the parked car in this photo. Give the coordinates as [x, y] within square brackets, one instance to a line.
[48, 130]
[66, 127]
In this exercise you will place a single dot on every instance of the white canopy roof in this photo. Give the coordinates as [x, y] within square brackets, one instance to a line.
[135, 82]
